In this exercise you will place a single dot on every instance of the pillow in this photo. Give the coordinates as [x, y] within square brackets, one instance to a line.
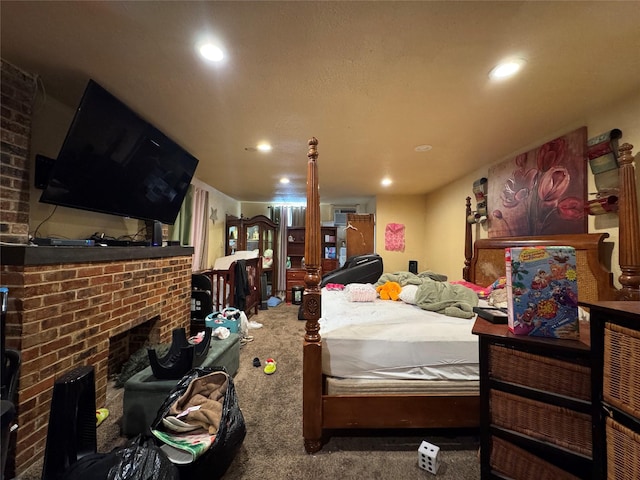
[408, 294]
[360, 292]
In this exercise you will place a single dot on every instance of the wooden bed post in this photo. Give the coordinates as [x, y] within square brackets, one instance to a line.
[629, 228]
[312, 346]
[468, 241]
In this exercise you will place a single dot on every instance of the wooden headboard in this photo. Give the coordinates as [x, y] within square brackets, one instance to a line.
[595, 281]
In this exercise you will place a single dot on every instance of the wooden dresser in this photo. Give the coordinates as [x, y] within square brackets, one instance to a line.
[536, 410]
[615, 333]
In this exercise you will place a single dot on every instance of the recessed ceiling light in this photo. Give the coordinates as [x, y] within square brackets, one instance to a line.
[284, 180]
[264, 147]
[506, 69]
[386, 182]
[423, 148]
[211, 52]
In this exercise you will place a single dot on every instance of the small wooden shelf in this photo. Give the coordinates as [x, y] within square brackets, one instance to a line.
[296, 243]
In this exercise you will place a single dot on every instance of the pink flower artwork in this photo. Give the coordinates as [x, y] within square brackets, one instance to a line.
[541, 192]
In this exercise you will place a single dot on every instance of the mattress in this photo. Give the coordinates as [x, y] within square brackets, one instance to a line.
[361, 386]
[223, 263]
[394, 340]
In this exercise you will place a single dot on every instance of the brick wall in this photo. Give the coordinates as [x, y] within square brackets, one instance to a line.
[64, 315]
[18, 89]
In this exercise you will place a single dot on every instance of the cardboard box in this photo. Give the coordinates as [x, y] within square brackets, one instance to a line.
[542, 291]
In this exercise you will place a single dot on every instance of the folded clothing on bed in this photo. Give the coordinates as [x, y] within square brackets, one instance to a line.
[436, 295]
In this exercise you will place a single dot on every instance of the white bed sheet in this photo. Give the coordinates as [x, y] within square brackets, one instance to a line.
[387, 339]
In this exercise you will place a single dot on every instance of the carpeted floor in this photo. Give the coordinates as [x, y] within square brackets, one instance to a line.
[272, 408]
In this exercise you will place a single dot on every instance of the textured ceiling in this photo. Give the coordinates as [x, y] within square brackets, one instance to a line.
[370, 80]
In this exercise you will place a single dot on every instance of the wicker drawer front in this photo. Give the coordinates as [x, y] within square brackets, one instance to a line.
[543, 373]
[548, 423]
[623, 452]
[621, 375]
[515, 462]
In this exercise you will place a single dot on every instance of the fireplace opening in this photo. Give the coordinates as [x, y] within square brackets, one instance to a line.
[125, 344]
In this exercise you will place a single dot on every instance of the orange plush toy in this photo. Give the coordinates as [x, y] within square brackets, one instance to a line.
[389, 291]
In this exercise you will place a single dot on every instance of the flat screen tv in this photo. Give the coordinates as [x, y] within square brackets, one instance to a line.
[113, 161]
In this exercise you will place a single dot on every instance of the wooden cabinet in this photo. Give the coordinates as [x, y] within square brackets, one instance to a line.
[615, 333]
[295, 252]
[328, 250]
[295, 246]
[255, 233]
[536, 412]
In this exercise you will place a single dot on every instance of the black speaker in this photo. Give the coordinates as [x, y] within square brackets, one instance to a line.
[413, 266]
[42, 171]
[156, 239]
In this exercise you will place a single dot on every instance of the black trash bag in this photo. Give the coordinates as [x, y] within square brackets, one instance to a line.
[213, 463]
[139, 459]
[142, 459]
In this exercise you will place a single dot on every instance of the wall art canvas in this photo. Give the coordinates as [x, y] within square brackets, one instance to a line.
[394, 237]
[541, 192]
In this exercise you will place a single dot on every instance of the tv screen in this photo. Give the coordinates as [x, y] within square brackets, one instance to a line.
[113, 161]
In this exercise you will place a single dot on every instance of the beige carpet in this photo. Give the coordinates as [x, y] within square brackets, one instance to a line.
[272, 407]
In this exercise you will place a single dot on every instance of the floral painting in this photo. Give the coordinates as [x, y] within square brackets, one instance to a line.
[541, 192]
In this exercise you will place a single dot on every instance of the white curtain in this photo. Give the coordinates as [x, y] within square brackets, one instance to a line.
[200, 229]
[296, 216]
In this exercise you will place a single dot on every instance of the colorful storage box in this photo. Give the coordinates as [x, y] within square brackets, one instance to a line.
[216, 319]
[542, 291]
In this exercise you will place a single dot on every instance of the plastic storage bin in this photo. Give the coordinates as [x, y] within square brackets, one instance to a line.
[215, 320]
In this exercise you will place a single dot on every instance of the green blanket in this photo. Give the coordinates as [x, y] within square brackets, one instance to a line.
[435, 294]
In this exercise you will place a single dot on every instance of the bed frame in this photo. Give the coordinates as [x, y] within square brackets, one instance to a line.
[224, 281]
[323, 412]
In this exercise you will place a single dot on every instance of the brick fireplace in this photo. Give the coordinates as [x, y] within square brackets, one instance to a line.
[68, 306]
